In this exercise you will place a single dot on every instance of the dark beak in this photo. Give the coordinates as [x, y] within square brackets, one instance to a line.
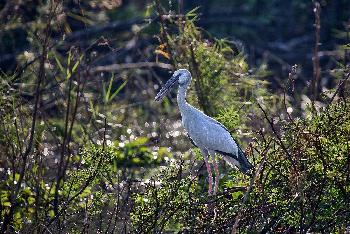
[166, 88]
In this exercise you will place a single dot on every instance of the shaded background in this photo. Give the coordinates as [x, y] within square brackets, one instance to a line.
[275, 32]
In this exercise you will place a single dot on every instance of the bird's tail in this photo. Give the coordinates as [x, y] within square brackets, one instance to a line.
[246, 166]
[241, 162]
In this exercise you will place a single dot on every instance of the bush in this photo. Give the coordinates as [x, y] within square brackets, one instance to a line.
[302, 186]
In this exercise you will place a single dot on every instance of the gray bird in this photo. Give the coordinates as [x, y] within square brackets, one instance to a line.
[206, 133]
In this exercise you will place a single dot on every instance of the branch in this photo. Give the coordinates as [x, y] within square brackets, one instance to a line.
[121, 66]
[41, 76]
[315, 83]
[278, 137]
[251, 184]
[86, 184]
[341, 83]
[114, 26]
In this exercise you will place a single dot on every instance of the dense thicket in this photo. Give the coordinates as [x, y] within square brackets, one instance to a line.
[84, 148]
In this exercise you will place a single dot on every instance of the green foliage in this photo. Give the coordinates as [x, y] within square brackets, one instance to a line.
[108, 94]
[217, 66]
[102, 167]
[165, 202]
[303, 185]
[174, 201]
[82, 192]
[79, 144]
[230, 117]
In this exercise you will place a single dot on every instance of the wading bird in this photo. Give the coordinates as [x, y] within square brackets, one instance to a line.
[206, 133]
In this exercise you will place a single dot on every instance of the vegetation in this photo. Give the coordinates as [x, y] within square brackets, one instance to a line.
[84, 148]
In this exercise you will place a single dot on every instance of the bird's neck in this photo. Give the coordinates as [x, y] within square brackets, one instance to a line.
[181, 98]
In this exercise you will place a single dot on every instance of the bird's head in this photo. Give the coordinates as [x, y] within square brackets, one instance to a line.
[182, 77]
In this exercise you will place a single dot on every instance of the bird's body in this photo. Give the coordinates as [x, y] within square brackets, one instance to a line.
[206, 133]
[209, 135]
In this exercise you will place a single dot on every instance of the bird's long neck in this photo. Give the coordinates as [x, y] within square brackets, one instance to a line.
[181, 98]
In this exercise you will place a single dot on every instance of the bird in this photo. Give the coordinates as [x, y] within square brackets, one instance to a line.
[209, 135]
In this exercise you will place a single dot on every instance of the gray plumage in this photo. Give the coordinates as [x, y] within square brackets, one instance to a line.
[209, 135]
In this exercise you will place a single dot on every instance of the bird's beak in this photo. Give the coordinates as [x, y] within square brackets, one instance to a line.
[166, 88]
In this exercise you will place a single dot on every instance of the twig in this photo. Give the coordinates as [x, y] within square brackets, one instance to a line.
[291, 75]
[60, 172]
[198, 85]
[278, 137]
[246, 195]
[118, 67]
[82, 189]
[8, 217]
[114, 26]
[163, 33]
[315, 83]
[341, 83]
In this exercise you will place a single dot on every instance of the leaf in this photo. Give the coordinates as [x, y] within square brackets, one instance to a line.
[58, 63]
[69, 74]
[17, 176]
[109, 88]
[92, 109]
[136, 160]
[140, 141]
[192, 12]
[236, 195]
[69, 58]
[83, 19]
[118, 90]
[6, 204]
[149, 10]
[27, 192]
[51, 213]
[165, 54]
[104, 92]
[77, 63]
[31, 200]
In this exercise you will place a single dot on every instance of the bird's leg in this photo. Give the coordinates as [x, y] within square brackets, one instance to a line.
[205, 154]
[217, 175]
[210, 177]
[216, 171]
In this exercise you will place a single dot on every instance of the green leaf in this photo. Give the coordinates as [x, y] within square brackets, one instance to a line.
[69, 58]
[81, 18]
[77, 63]
[51, 213]
[17, 176]
[118, 90]
[26, 191]
[109, 88]
[192, 13]
[58, 63]
[140, 141]
[6, 204]
[69, 74]
[31, 200]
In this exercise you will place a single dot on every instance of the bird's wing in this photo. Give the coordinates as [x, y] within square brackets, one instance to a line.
[215, 121]
[212, 135]
[209, 133]
[217, 138]
[195, 112]
[192, 141]
[239, 159]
